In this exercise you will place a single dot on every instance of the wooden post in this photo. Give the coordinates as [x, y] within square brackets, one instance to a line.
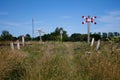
[92, 42]
[98, 45]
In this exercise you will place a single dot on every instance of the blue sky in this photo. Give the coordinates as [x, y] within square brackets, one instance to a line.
[16, 15]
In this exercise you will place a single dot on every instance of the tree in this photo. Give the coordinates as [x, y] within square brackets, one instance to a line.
[116, 34]
[0, 38]
[20, 38]
[27, 37]
[14, 38]
[46, 37]
[99, 34]
[6, 35]
[75, 37]
[110, 34]
[104, 36]
[96, 36]
[55, 36]
[78, 37]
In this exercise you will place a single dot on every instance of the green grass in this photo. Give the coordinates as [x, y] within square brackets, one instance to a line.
[61, 61]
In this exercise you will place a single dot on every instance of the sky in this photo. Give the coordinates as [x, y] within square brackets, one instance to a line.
[16, 16]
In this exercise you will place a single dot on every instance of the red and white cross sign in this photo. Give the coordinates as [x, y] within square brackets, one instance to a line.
[88, 19]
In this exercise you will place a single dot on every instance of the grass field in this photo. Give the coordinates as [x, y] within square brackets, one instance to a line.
[61, 61]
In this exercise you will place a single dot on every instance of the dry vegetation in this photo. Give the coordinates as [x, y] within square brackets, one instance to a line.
[61, 61]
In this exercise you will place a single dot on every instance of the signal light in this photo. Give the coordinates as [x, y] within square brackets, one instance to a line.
[82, 16]
[86, 19]
[94, 16]
[95, 23]
[89, 19]
[82, 22]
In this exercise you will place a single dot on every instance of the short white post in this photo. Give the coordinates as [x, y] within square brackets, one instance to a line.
[92, 42]
[23, 40]
[61, 32]
[98, 45]
[18, 45]
[12, 45]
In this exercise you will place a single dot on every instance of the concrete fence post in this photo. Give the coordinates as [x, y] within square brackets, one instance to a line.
[92, 42]
[12, 45]
[18, 45]
[98, 45]
[23, 40]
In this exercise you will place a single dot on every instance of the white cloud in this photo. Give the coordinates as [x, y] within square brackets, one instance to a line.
[107, 28]
[110, 22]
[114, 13]
[111, 18]
[10, 24]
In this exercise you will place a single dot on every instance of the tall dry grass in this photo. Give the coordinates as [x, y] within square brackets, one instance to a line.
[11, 64]
[99, 65]
[61, 61]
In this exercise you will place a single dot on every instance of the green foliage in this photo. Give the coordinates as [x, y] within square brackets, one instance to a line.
[20, 38]
[96, 36]
[104, 36]
[114, 39]
[6, 36]
[55, 36]
[27, 37]
[78, 37]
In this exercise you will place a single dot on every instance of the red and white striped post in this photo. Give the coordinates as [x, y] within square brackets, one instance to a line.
[88, 20]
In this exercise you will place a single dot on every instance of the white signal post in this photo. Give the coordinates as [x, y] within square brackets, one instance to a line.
[88, 20]
[40, 32]
[32, 27]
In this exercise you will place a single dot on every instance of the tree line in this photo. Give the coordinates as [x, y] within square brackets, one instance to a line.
[55, 36]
